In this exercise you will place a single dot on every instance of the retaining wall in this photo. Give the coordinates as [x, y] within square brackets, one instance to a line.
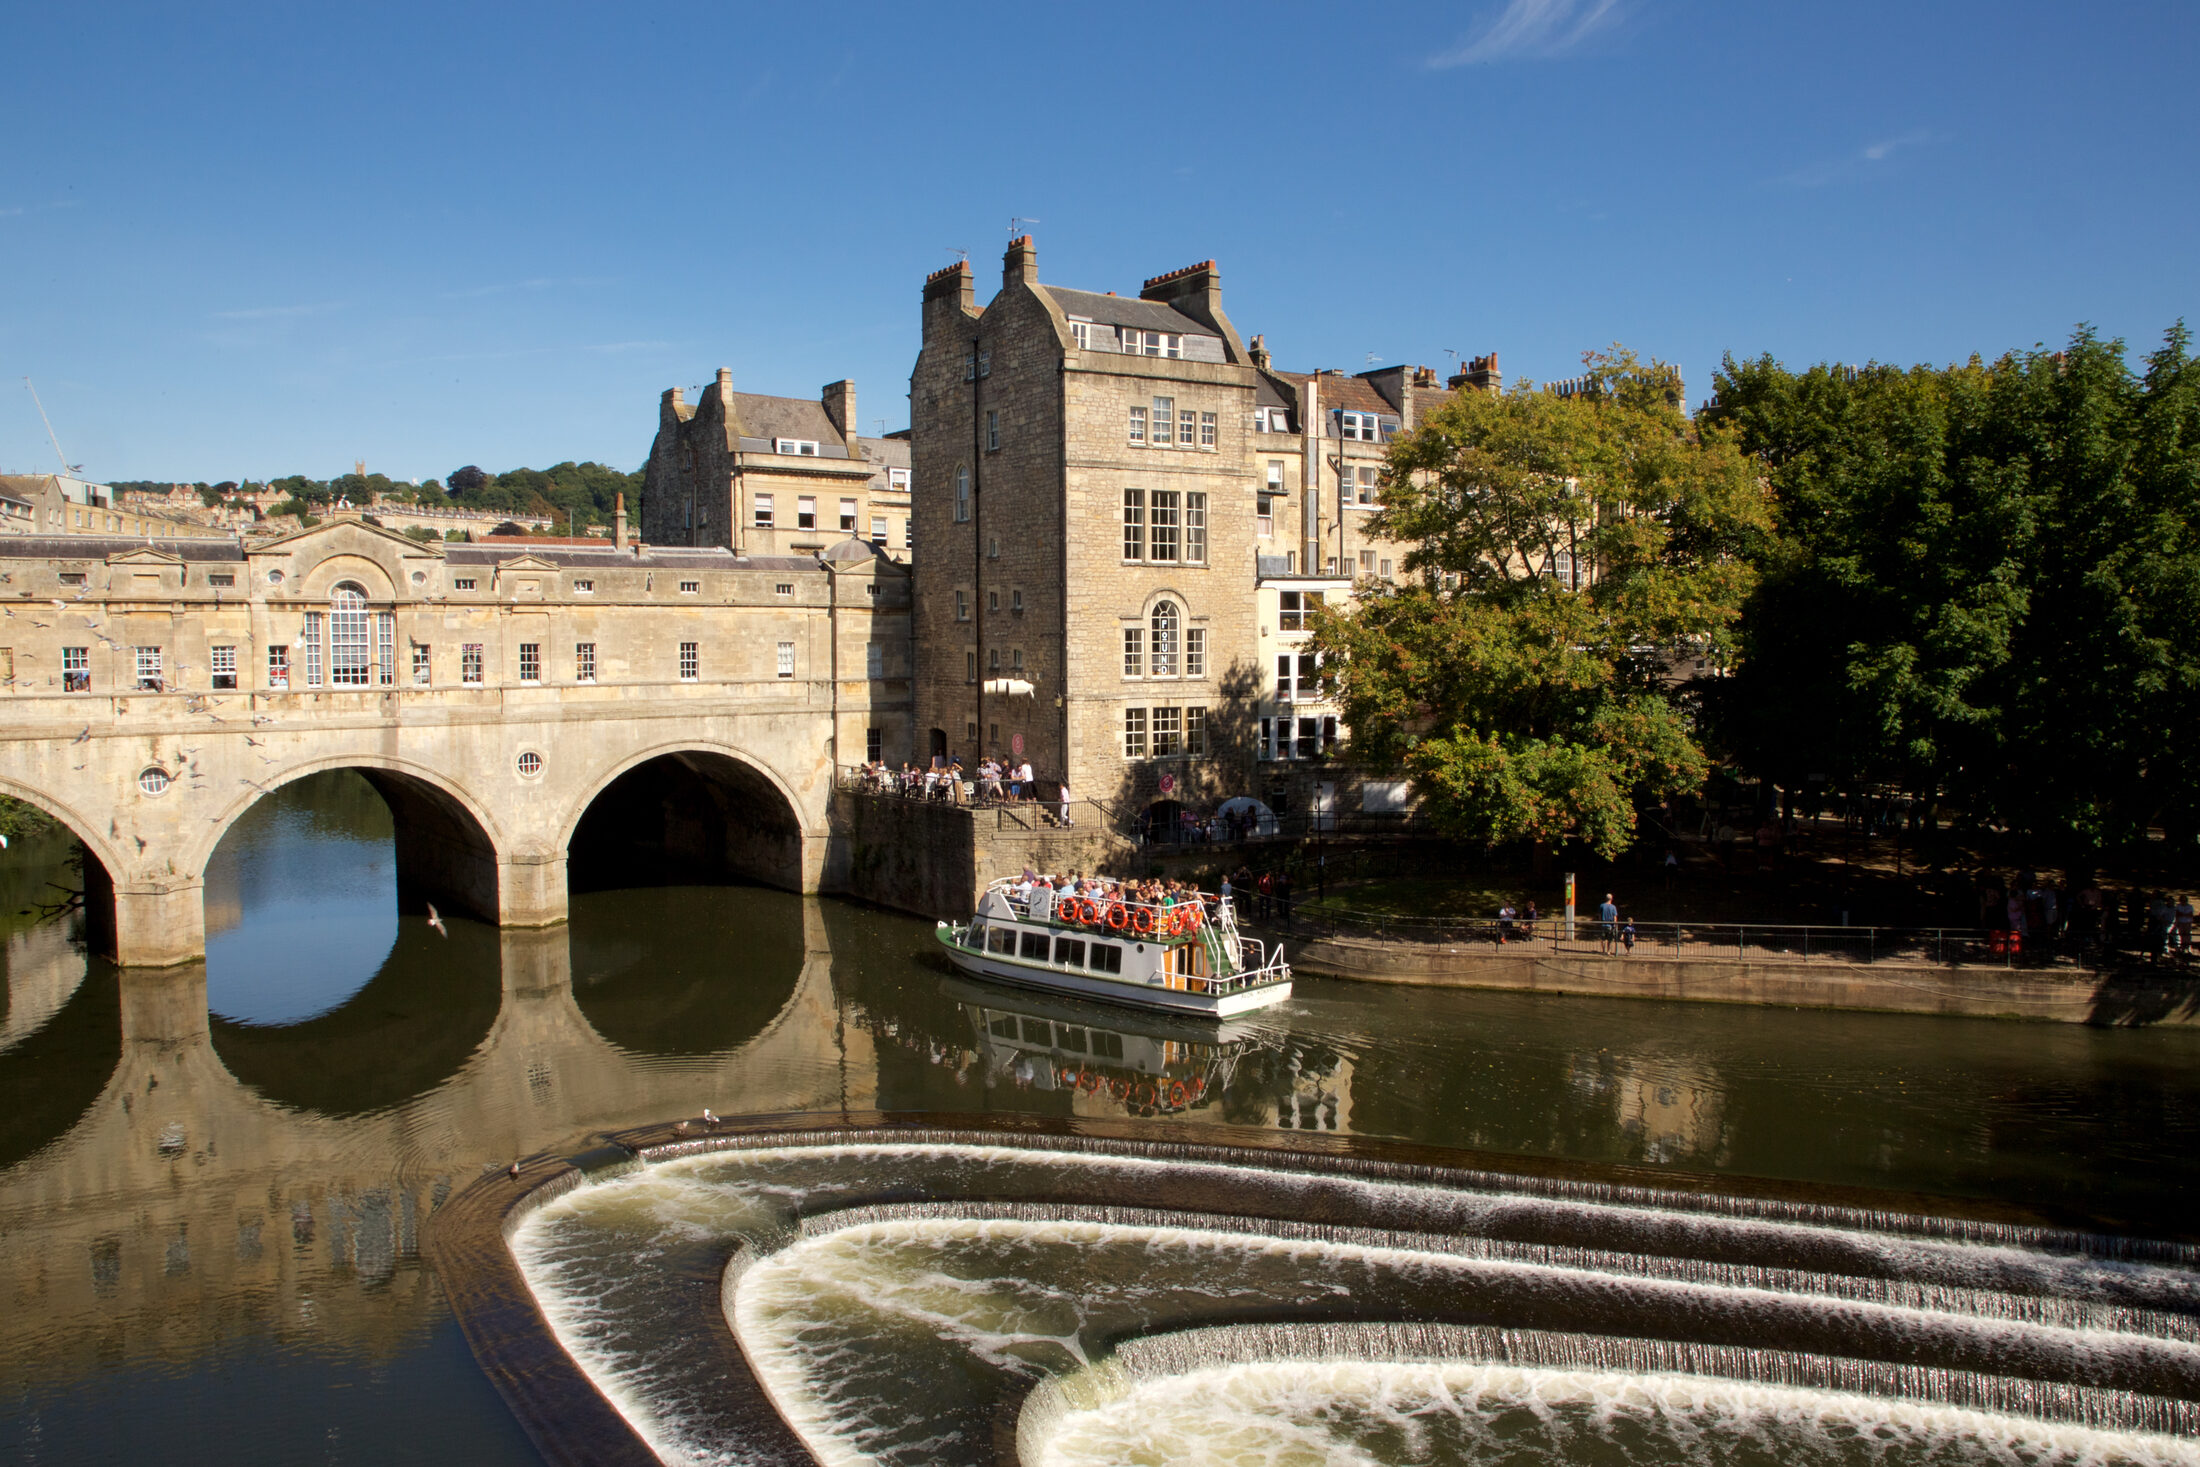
[1982, 992]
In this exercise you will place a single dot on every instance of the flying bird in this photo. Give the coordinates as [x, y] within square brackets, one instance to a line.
[80, 738]
[255, 743]
[435, 920]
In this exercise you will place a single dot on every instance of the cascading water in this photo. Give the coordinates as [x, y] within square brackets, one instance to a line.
[896, 1296]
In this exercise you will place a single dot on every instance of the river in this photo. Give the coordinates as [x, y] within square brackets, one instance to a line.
[214, 1181]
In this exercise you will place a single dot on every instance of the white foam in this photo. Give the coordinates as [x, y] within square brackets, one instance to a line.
[1328, 1413]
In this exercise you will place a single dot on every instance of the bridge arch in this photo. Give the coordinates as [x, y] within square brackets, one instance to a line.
[104, 865]
[449, 846]
[708, 810]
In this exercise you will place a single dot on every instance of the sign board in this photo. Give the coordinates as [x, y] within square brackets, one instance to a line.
[1016, 745]
[1168, 783]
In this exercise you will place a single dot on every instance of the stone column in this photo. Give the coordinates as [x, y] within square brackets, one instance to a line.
[157, 924]
[531, 890]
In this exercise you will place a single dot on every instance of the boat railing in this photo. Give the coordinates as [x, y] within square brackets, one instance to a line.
[1253, 963]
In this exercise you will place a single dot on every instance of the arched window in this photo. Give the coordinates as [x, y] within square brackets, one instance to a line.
[362, 644]
[1164, 643]
[962, 493]
[349, 656]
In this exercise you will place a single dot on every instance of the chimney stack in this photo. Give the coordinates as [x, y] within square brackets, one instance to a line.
[618, 523]
[840, 406]
[1020, 265]
[1259, 352]
[1480, 373]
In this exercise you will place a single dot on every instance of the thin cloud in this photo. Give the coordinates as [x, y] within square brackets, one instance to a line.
[540, 282]
[1532, 30]
[1817, 175]
[21, 209]
[275, 313]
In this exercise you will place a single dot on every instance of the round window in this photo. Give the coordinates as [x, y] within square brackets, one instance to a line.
[420, 578]
[154, 781]
[274, 578]
[530, 764]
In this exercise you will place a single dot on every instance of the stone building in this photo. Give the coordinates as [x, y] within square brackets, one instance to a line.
[1129, 512]
[773, 475]
[1084, 599]
[60, 504]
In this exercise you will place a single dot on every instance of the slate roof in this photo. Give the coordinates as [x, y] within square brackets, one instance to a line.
[1125, 310]
[785, 417]
[99, 547]
[1353, 394]
[606, 556]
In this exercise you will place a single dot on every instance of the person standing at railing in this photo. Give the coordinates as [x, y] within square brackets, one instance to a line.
[1627, 936]
[1283, 895]
[1064, 822]
[1608, 925]
[1505, 916]
[1527, 921]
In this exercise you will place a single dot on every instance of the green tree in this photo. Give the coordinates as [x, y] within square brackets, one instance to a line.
[1986, 585]
[1567, 550]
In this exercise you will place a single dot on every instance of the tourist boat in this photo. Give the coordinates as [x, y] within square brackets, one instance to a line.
[1182, 959]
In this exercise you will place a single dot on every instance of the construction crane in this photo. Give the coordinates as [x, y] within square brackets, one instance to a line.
[68, 469]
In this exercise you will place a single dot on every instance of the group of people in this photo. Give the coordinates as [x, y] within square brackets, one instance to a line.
[1105, 889]
[1188, 828]
[2042, 913]
[944, 778]
[1615, 933]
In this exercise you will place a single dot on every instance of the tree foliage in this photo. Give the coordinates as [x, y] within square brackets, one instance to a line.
[1565, 551]
[1985, 586]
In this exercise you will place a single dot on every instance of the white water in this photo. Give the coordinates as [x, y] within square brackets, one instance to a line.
[894, 1333]
[1355, 1413]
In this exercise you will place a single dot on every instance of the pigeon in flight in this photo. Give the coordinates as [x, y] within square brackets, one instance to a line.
[435, 920]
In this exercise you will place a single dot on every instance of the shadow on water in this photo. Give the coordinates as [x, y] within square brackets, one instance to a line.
[685, 970]
[51, 1079]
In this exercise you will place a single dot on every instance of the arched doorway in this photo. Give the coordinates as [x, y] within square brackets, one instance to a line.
[691, 817]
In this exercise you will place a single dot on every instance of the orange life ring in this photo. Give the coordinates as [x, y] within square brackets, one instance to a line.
[1176, 1092]
[1193, 916]
[1076, 909]
[1116, 919]
[1167, 925]
[1088, 1081]
[1142, 921]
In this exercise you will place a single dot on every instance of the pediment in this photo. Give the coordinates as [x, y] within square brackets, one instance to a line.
[144, 555]
[345, 534]
[528, 562]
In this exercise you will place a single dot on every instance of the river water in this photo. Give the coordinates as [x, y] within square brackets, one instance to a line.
[213, 1182]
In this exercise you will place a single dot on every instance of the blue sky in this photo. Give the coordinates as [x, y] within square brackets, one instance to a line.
[241, 240]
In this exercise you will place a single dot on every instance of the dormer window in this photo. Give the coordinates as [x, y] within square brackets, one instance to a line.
[897, 481]
[1366, 427]
[1080, 331]
[797, 447]
[1152, 343]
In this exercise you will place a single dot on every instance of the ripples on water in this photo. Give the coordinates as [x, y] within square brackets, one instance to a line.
[220, 1215]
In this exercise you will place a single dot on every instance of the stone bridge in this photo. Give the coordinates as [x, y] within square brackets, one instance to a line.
[526, 713]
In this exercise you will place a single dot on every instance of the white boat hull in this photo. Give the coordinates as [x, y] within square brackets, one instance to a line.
[1004, 969]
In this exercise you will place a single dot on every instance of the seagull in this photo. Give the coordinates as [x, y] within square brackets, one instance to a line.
[3, 842]
[255, 743]
[708, 1118]
[435, 920]
[513, 1171]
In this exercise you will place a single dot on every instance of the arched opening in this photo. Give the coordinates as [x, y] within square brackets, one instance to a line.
[51, 876]
[1163, 822]
[686, 819]
[327, 991]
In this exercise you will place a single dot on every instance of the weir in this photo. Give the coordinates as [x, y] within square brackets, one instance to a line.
[894, 1291]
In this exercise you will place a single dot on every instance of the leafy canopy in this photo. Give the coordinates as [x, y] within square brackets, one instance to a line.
[1565, 550]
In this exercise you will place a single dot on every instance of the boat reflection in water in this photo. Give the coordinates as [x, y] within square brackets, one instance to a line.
[1107, 1061]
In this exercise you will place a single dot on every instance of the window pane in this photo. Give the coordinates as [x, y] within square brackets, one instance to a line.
[1164, 639]
[1195, 652]
[1134, 733]
[1195, 529]
[1164, 419]
[1195, 730]
[347, 637]
[1138, 425]
[1134, 651]
[1134, 524]
[1161, 539]
[1166, 731]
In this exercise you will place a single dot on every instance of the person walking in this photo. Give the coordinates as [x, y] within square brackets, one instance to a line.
[1267, 890]
[1064, 821]
[1608, 925]
[1283, 895]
